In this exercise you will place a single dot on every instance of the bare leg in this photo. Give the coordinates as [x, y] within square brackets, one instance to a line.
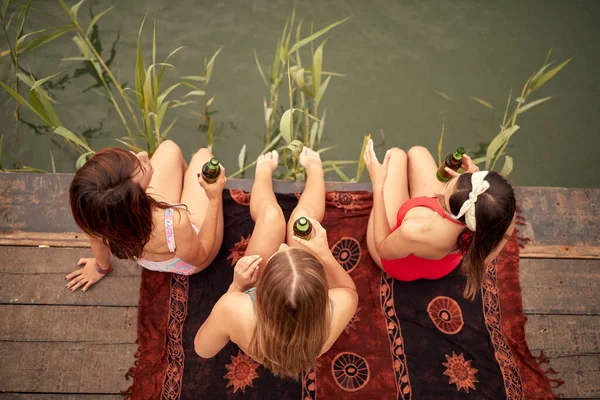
[169, 166]
[269, 222]
[395, 192]
[422, 169]
[195, 199]
[312, 201]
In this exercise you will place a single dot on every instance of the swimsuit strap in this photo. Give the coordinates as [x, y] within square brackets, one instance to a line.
[169, 231]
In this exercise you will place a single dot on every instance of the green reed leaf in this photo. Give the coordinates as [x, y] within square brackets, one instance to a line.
[286, 126]
[83, 159]
[322, 90]
[67, 134]
[211, 64]
[508, 166]
[24, 102]
[542, 79]
[483, 102]
[440, 147]
[533, 104]
[361, 160]
[242, 157]
[341, 174]
[75, 8]
[95, 20]
[22, 47]
[316, 35]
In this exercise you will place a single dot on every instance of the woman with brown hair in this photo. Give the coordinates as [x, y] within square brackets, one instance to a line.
[135, 207]
[303, 297]
[421, 228]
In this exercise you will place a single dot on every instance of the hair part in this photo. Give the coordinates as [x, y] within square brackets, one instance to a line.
[292, 309]
[494, 211]
[109, 205]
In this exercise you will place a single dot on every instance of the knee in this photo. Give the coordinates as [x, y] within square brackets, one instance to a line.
[397, 153]
[271, 214]
[170, 147]
[203, 154]
[418, 152]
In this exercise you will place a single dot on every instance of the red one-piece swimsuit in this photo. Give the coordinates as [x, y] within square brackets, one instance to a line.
[412, 267]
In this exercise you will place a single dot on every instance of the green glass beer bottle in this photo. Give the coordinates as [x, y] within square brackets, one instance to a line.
[452, 161]
[211, 171]
[303, 228]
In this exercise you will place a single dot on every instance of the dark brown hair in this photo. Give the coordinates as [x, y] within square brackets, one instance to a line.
[109, 205]
[494, 212]
[293, 322]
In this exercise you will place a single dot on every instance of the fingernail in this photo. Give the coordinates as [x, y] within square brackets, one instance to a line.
[198, 174]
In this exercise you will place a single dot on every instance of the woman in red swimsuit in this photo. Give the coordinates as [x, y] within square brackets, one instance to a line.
[421, 228]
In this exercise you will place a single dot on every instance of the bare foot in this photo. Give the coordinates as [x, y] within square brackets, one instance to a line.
[267, 162]
[310, 159]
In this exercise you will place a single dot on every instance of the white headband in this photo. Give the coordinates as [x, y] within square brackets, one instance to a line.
[479, 186]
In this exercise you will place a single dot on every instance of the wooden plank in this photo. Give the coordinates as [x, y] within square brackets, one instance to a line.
[36, 276]
[26, 323]
[560, 251]
[560, 286]
[61, 261]
[62, 396]
[561, 335]
[580, 373]
[65, 367]
[560, 216]
[35, 200]
[49, 289]
[44, 239]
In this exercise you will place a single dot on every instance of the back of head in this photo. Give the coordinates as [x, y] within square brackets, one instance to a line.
[107, 204]
[494, 211]
[292, 303]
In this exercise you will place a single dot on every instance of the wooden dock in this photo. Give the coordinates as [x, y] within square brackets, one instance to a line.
[55, 344]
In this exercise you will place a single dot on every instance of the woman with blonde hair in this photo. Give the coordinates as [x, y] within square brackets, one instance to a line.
[303, 297]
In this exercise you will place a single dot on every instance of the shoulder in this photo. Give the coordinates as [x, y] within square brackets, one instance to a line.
[417, 230]
[232, 306]
[345, 301]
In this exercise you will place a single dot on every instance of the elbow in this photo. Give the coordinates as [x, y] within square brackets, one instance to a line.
[201, 351]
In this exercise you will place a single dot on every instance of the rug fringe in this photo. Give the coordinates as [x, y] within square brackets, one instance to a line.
[129, 375]
[554, 383]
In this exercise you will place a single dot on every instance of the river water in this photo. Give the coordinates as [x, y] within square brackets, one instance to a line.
[397, 56]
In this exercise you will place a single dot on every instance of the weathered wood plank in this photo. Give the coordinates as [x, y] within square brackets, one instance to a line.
[35, 200]
[65, 367]
[50, 289]
[560, 216]
[24, 323]
[44, 239]
[62, 396]
[580, 373]
[560, 286]
[559, 251]
[560, 335]
[34, 260]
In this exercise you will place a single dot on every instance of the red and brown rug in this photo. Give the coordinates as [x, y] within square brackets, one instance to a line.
[408, 340]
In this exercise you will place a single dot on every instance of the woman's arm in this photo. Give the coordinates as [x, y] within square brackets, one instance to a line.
[213, 334]
[193, 248]
[196, 248]
[337, 277]
[93, 269]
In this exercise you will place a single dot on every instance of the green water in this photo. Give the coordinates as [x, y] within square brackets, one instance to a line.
[395, 55]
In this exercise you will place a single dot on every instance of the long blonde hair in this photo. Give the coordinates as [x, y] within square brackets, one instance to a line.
[292, 303]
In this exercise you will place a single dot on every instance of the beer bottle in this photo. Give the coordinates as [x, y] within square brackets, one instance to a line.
[211, 171]
[303, 228]
[452, 161]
